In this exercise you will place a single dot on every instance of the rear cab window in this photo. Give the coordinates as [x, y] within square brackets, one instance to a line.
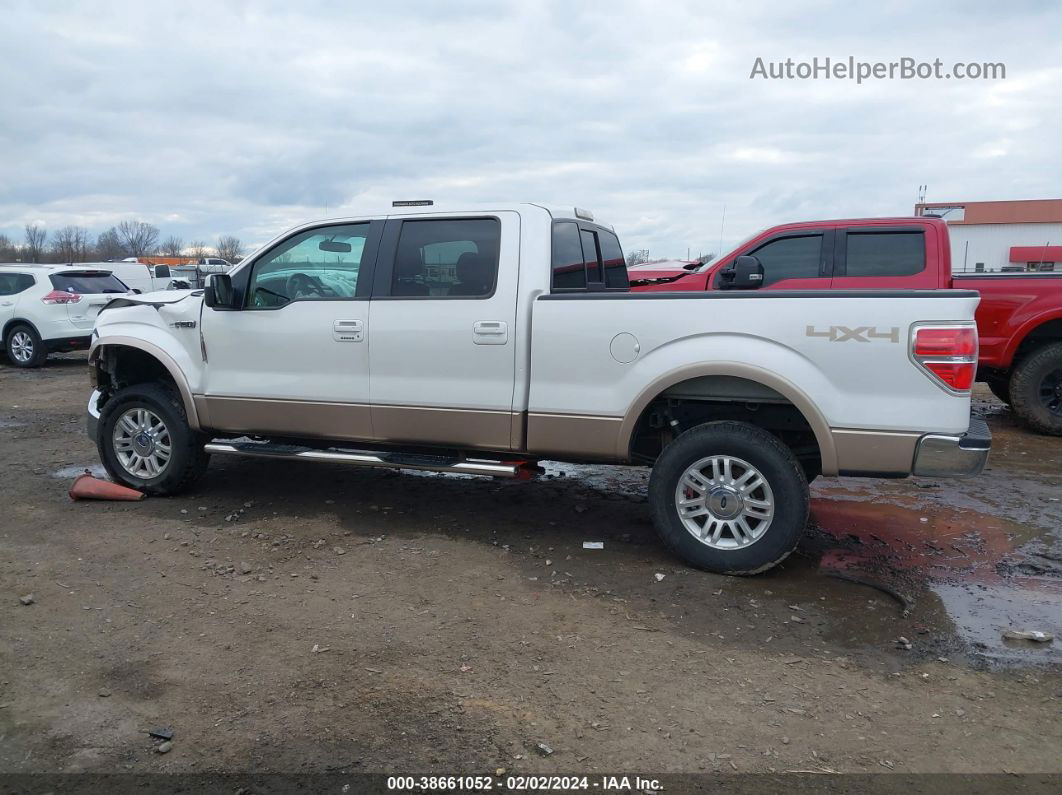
[87, 282]
[587, 257]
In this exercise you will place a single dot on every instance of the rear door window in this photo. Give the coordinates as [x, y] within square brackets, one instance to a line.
[447, 258]
[884, 253]
[88, 282]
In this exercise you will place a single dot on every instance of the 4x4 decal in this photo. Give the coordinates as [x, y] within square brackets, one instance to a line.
[858, 334]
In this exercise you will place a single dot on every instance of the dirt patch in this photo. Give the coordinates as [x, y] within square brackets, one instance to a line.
[309, 618]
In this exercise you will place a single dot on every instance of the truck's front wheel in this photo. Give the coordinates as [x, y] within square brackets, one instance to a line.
[1036, 390]
[145, 442]
[729, 497]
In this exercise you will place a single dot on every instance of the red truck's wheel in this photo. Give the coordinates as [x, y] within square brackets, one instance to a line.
[1036, 390]
[729, 497]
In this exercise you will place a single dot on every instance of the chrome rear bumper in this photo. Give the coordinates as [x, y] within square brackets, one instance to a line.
[954, 455]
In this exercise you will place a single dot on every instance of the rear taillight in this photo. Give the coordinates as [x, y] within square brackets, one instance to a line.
[947, 353]
[61, 297]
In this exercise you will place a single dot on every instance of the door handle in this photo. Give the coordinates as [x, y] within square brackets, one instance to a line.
[490, 332]
[348, 331]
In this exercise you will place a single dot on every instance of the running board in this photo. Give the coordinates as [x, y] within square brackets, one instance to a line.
[429, 463]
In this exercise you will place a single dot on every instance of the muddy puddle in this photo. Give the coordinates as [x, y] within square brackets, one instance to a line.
[974, 558]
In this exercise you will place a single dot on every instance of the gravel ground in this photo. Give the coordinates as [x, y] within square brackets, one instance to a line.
[311, 618]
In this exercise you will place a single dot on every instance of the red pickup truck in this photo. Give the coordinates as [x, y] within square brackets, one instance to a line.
[1019, 320]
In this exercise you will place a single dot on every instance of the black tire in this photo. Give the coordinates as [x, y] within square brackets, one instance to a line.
[775, 463]
[1036, 390]
[1000, 387]
[188, 460]
[38, 352]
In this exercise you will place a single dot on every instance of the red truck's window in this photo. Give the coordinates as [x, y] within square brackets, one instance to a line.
[885, 253]
[569, 273]
[790, 258]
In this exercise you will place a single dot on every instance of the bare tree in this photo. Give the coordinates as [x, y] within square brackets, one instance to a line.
[637, 257]
[138, 238]
[705, 258]
[70, 244]
[172, 246]
[108, 246]
[36, 237]
[198, 249]
[8, 250]
[229, 248]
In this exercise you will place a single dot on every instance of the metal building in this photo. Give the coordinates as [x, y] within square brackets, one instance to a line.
[989, 237]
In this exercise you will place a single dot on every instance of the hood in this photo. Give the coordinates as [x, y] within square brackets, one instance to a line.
[156, 299]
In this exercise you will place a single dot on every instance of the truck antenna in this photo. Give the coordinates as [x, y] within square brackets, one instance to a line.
[721, 222]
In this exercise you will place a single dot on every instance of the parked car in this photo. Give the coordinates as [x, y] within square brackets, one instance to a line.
[1019, 319]
[136, 275]
[51, 308]
[477, 342]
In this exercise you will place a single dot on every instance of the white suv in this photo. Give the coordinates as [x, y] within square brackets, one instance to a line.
[51, 308]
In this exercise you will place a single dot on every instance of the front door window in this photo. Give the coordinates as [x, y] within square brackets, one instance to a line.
[315, 265]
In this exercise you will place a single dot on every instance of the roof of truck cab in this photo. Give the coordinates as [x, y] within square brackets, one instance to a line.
[897, 219]
[554, 211]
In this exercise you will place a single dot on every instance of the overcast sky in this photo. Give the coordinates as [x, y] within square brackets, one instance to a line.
[247, 118]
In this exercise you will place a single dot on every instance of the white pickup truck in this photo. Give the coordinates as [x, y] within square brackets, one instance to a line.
[478, 341]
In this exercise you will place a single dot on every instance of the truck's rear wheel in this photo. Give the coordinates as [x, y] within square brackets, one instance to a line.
[145, 442]
[729, 497]
[1036, 390]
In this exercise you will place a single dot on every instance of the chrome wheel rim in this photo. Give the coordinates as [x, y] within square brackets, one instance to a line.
[22, 346]
[142, 443]
[724, 502]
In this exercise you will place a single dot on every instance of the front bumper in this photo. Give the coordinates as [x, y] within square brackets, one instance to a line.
[92, 415]
[954, 455]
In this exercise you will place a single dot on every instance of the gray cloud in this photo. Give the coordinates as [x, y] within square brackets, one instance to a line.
[210, 118]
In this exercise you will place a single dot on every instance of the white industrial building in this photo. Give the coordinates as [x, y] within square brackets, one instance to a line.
[999, 236]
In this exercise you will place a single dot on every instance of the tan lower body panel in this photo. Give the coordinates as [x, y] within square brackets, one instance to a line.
[874, 452]
[575, 436]
[346, 421]
[485, 430]
[471, 428]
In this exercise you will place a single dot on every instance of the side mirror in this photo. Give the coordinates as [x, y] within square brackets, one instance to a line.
[137, 291]
[745, 274]
[218, 292]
